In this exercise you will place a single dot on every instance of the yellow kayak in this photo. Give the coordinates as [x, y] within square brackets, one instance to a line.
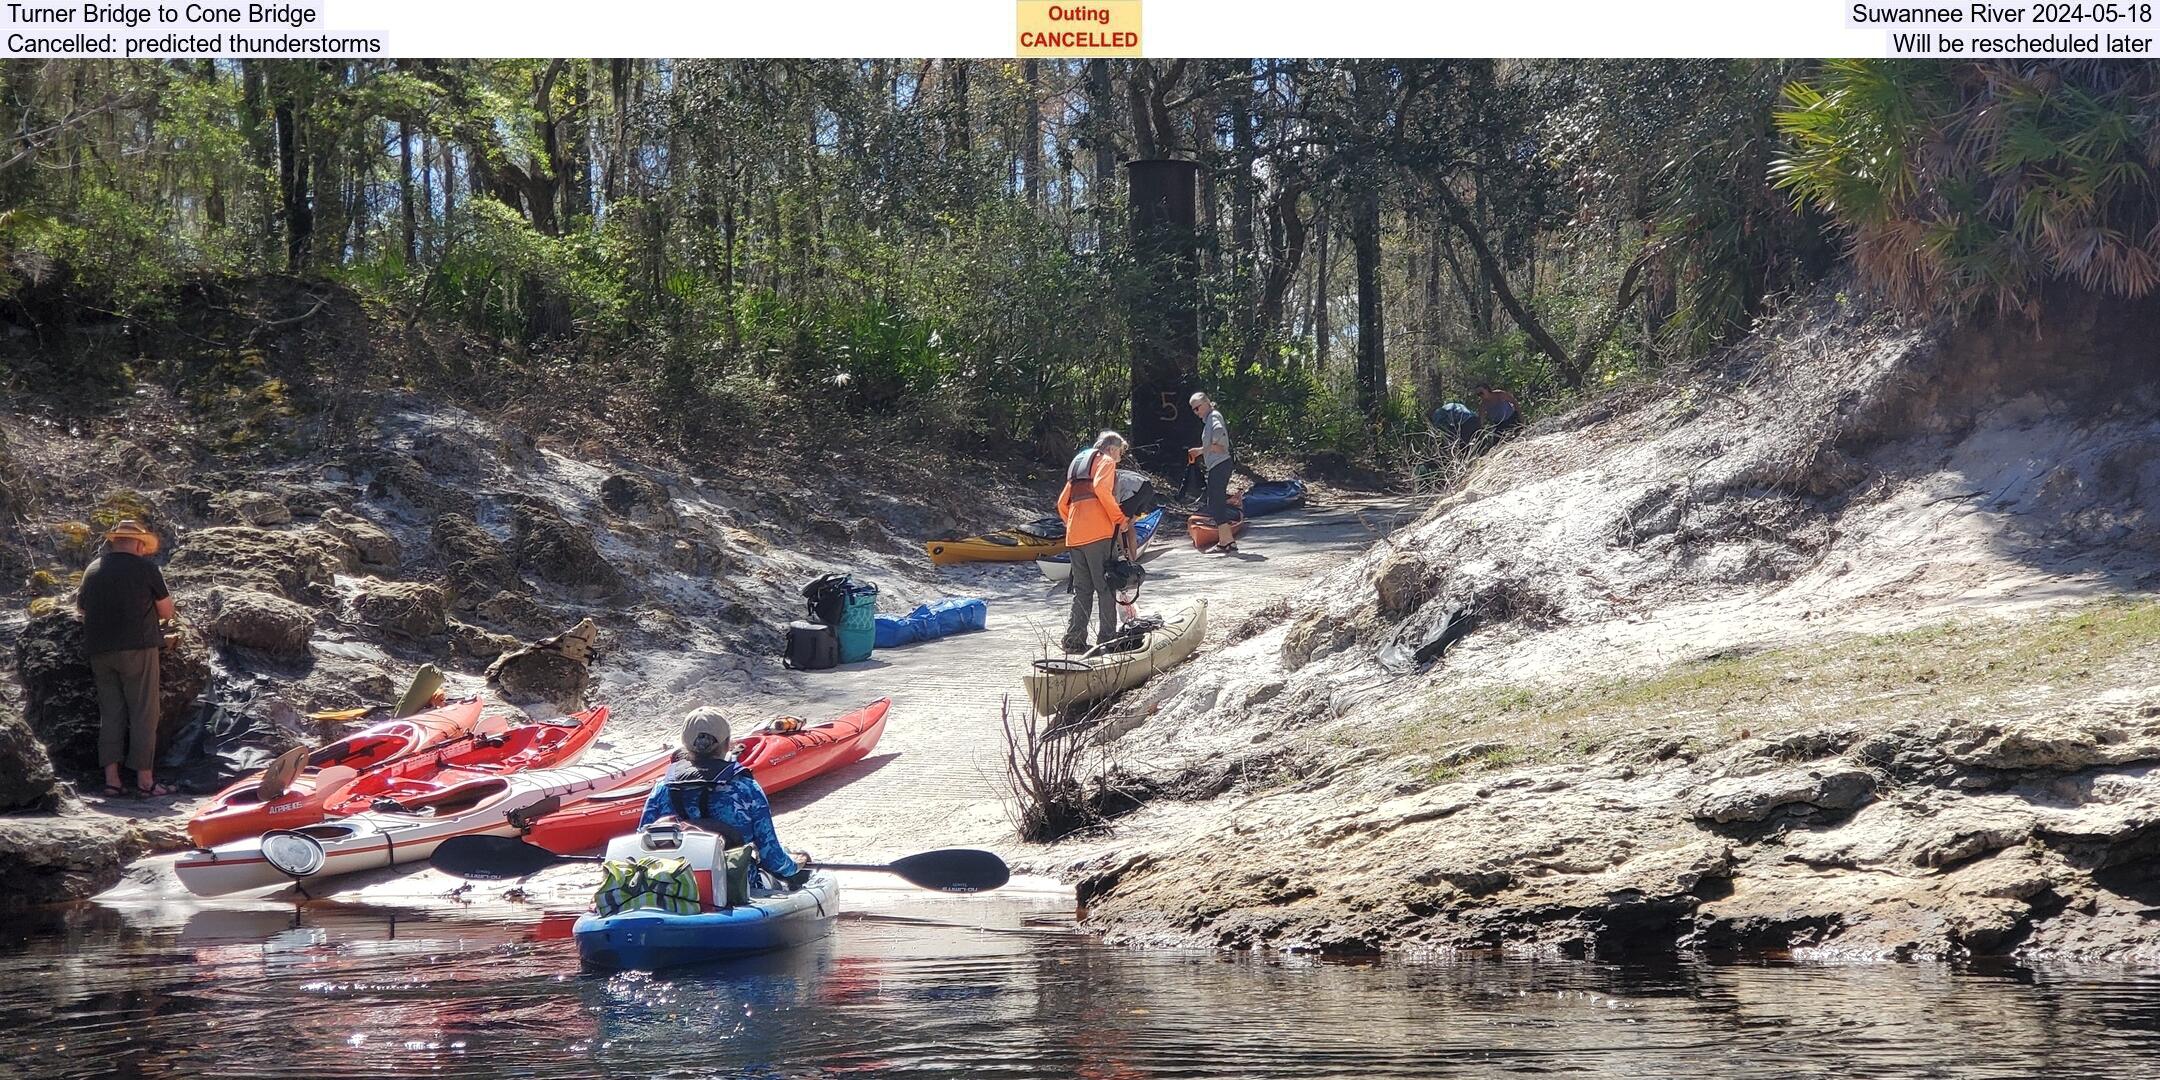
[1020, 543]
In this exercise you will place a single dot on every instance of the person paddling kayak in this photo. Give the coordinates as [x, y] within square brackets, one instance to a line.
[706, 789]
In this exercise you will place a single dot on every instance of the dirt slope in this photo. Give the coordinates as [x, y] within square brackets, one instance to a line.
[1706, 609]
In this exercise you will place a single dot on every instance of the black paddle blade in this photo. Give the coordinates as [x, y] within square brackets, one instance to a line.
[960, 870]
[492, 858]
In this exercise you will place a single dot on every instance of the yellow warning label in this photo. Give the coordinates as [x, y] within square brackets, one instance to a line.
[1094, 28]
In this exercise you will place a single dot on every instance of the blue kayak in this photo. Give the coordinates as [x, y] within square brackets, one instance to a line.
[1059, 567]
[648, 940]
[1273, 497]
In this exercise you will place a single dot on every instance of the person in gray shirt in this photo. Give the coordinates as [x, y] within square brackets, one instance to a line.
[1214, 455]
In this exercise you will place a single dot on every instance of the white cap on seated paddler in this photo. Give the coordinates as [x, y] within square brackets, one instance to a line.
[704, 788]
[706, 733]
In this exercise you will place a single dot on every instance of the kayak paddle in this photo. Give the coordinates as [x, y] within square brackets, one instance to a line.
[950, 869]
[493, 858]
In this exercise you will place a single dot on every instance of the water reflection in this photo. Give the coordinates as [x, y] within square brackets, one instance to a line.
[976, 987]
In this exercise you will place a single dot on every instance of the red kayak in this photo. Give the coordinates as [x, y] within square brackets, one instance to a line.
[543, 744]
[779, 759]
[246, 809]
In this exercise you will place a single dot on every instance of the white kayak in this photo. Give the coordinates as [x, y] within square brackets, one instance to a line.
[487, 806]
[1058, 684]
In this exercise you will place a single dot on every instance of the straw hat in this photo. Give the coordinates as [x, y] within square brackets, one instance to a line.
[131, 529]
[706, 721]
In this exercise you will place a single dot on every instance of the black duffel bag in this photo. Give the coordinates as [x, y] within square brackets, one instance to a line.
[811, 647]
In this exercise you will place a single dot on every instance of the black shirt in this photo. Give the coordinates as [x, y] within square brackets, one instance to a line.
[118, 600]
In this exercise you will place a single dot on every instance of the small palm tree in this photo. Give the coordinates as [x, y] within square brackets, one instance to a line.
[1963, 185]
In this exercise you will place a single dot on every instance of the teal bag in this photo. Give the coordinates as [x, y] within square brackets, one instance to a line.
[858, 622]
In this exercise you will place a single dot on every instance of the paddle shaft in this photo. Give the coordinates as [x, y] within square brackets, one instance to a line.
[500, 857]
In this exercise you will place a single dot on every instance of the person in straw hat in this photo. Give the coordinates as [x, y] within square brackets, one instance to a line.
[706, 788]
[123, 599]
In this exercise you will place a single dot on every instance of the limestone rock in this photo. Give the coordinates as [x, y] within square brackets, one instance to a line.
[518, 613]
[373, 544]
[407, 481]
[257, 508]
[268, 624]
[560, 553]
[443, 453]
[695, 557]
[478, 645]
[26, 772]
[1754, 798]
[156, 836]
[556, 670]
[637, 498]
[295, 565]
[478, 567]
[868, 532]
[403, 609]
[2060, 743]
[516, 445]
[61, 701]
[1402, 583]
[50, 860]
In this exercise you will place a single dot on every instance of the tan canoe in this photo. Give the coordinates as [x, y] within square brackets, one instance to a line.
[1059, 684]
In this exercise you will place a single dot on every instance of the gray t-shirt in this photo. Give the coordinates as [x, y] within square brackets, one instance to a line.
[1214, 440]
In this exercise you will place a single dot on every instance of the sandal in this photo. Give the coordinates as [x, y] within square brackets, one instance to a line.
[154, 791]
[114, 791]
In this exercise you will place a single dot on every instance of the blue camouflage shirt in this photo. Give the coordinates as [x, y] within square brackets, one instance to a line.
[733, 799]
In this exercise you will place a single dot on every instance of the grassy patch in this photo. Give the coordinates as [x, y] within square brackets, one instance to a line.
[75, 541]
[119, 506]
[54, 580]
[1954, 668]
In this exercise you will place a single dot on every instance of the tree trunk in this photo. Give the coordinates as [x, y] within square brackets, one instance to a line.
[727, 271]
[959, 131]
[255, 131]
[406, 209]
[448, 150]
[1321, 330]
[1286, 250]
[1571, 373]
[1242, 153]
[293, 186]
[1103, 136]
[1031, 130]
[1371, 335]
[1143, 118]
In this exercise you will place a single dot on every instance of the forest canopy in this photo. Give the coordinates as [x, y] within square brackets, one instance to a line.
[942, 244]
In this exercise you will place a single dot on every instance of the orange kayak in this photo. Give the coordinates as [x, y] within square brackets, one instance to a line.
[779, 760]
[1206, 534]
[241, 811]
[415, 778]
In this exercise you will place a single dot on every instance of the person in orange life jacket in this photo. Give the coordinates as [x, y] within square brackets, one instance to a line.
[705, 788]
[1213, 453]
[1094, 527]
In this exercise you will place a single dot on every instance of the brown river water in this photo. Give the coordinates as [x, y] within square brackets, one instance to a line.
[984, 987]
